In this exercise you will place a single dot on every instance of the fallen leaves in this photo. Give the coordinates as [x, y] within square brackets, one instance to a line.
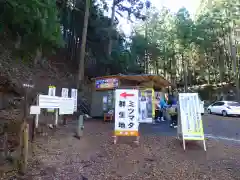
[95, 157]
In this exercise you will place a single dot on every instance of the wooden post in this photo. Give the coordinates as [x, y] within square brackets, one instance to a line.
[115, 138]
[24, 148]
[56, 118]
[137, 140]
[25, 107]
[64, 120]
[5, 145]
[80, 127]
[33, 129]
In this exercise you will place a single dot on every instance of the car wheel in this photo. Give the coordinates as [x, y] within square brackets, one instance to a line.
[224, 113]
[209, 111]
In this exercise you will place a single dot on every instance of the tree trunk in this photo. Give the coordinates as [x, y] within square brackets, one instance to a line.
[146, 50]
[221, 64]
[80, 79]
[73, 47]
[110, 28]
[38, 56]
[184, 73]
[208, 65]
[70, 36]
[164, 68]
[174, 68]
[18, 42]
[227, 61]
[170, 69]
[188, 72]
[146, 62]
[234, 61]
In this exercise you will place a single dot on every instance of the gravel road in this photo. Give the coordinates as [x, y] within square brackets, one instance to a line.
[158, 157]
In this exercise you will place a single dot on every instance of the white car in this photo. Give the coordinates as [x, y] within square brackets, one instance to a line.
[224, 108]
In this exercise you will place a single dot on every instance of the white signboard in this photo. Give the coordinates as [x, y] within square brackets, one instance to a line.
[66, 106]
[126, 112]
[51, 92]
[74, 96]
[191, 120]
[46, 101]
[64, 92]
[35, 110]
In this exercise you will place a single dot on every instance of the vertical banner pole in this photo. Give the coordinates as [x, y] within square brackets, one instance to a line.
[80, 127]
[179, 123]
[115, 139]
[184, 144]
[204, 145]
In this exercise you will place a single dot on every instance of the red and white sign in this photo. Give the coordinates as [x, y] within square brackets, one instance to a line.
[126, 112]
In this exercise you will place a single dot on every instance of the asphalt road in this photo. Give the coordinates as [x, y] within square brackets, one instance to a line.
[219, 126]
[214, 126]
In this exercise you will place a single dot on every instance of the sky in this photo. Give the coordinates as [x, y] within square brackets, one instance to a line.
[173, 5]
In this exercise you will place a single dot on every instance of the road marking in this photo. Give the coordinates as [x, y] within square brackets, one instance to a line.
[222, 138]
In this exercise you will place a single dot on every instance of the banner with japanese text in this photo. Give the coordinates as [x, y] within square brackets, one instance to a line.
[126, 112]
[147, 105]
[190, 113]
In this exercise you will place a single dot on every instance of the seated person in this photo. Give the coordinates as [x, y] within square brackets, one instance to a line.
[174, 115]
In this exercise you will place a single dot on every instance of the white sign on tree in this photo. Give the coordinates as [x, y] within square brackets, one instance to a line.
[126, 112]
[35, 110]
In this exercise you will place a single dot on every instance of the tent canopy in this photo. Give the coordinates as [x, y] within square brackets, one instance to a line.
[146, 80]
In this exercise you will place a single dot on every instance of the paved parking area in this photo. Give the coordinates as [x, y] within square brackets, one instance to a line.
[219, 126]
[214, 126]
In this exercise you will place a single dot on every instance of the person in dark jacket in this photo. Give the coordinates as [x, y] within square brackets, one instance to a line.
[157, 109]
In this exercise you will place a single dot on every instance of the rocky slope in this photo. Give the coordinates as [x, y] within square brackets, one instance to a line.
[52, 71]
